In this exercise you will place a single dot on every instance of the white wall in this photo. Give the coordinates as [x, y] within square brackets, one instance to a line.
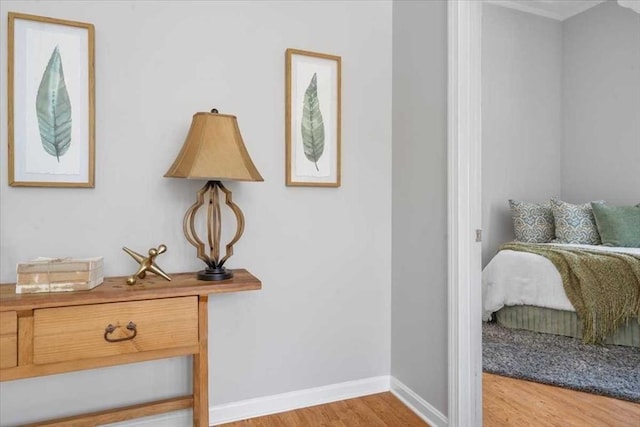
[521, 116]
[419, 281]
[601, 106]
[323, 255]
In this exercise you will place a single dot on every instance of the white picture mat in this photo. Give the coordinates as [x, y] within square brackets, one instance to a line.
[34, 42]
[302, 70]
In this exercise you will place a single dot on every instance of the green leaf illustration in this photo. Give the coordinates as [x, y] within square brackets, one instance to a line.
[54, 108]
[312, 123]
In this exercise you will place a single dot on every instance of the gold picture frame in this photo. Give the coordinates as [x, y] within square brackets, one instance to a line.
[51, 102]
[313, 119]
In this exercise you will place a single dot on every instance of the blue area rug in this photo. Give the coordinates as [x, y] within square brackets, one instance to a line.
[608, 370]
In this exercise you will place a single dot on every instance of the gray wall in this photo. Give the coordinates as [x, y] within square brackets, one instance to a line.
[521, 116]
[561, 111]
[419, 265]
[601, 99]
[323, 255]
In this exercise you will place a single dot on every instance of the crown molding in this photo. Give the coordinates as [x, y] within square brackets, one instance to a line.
[538, 9]
[631, 4]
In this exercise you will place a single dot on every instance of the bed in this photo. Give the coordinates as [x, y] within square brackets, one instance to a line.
[525, 290]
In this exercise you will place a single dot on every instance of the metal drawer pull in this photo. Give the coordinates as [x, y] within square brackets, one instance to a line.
[131, 326]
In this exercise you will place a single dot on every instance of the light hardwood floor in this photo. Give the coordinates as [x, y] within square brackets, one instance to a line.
[512, 402]
[376, 410]
[507, 403]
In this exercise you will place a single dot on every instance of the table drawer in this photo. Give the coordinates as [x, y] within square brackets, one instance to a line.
[84, 332]
[8, 339]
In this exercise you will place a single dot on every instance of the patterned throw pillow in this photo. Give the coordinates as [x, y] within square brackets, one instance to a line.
[575, 223]
[532, 223]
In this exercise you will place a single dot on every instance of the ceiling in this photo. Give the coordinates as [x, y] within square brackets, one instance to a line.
[554, 9]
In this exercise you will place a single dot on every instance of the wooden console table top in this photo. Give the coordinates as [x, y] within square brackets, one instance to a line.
[116, 289]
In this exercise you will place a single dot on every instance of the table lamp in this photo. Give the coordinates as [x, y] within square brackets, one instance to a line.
[213, 150]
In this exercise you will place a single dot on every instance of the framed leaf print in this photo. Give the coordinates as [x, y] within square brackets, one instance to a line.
[51, 102]
[312, 118]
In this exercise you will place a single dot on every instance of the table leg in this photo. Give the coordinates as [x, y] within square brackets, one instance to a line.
[201, 369]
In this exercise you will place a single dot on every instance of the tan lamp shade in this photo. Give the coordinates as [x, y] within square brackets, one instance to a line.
[214, 150]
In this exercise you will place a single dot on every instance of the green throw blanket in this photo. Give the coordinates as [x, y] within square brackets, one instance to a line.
[604, 287]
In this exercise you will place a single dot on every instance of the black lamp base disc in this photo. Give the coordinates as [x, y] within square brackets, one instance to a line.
[215, 274]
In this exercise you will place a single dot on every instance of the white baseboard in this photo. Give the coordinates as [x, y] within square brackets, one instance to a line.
[274, 404]
[421, 407]
[170, 419]
[261, 406]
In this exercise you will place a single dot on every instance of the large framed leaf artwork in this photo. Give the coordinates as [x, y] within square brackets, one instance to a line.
[51, 102]
[313, 118]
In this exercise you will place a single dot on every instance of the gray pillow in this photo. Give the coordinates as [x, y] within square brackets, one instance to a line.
[575, 223]
[532, 223]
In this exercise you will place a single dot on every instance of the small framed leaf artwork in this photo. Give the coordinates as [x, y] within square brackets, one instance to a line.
[313, 118]
[51, 102]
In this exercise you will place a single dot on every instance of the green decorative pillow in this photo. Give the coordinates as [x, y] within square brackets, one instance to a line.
[575, 223]
[532, 223]
[618, 225]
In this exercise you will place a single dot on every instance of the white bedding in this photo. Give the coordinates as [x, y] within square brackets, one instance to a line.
[522, 278]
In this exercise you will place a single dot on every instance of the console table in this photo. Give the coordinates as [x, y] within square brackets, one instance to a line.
[114, 324]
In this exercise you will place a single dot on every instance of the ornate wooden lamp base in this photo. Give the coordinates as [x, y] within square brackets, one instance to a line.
[215, 263]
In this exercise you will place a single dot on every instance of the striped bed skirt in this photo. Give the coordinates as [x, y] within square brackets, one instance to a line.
[560, 322]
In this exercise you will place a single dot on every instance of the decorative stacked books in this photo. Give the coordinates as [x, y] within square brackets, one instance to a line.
[59, 275]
